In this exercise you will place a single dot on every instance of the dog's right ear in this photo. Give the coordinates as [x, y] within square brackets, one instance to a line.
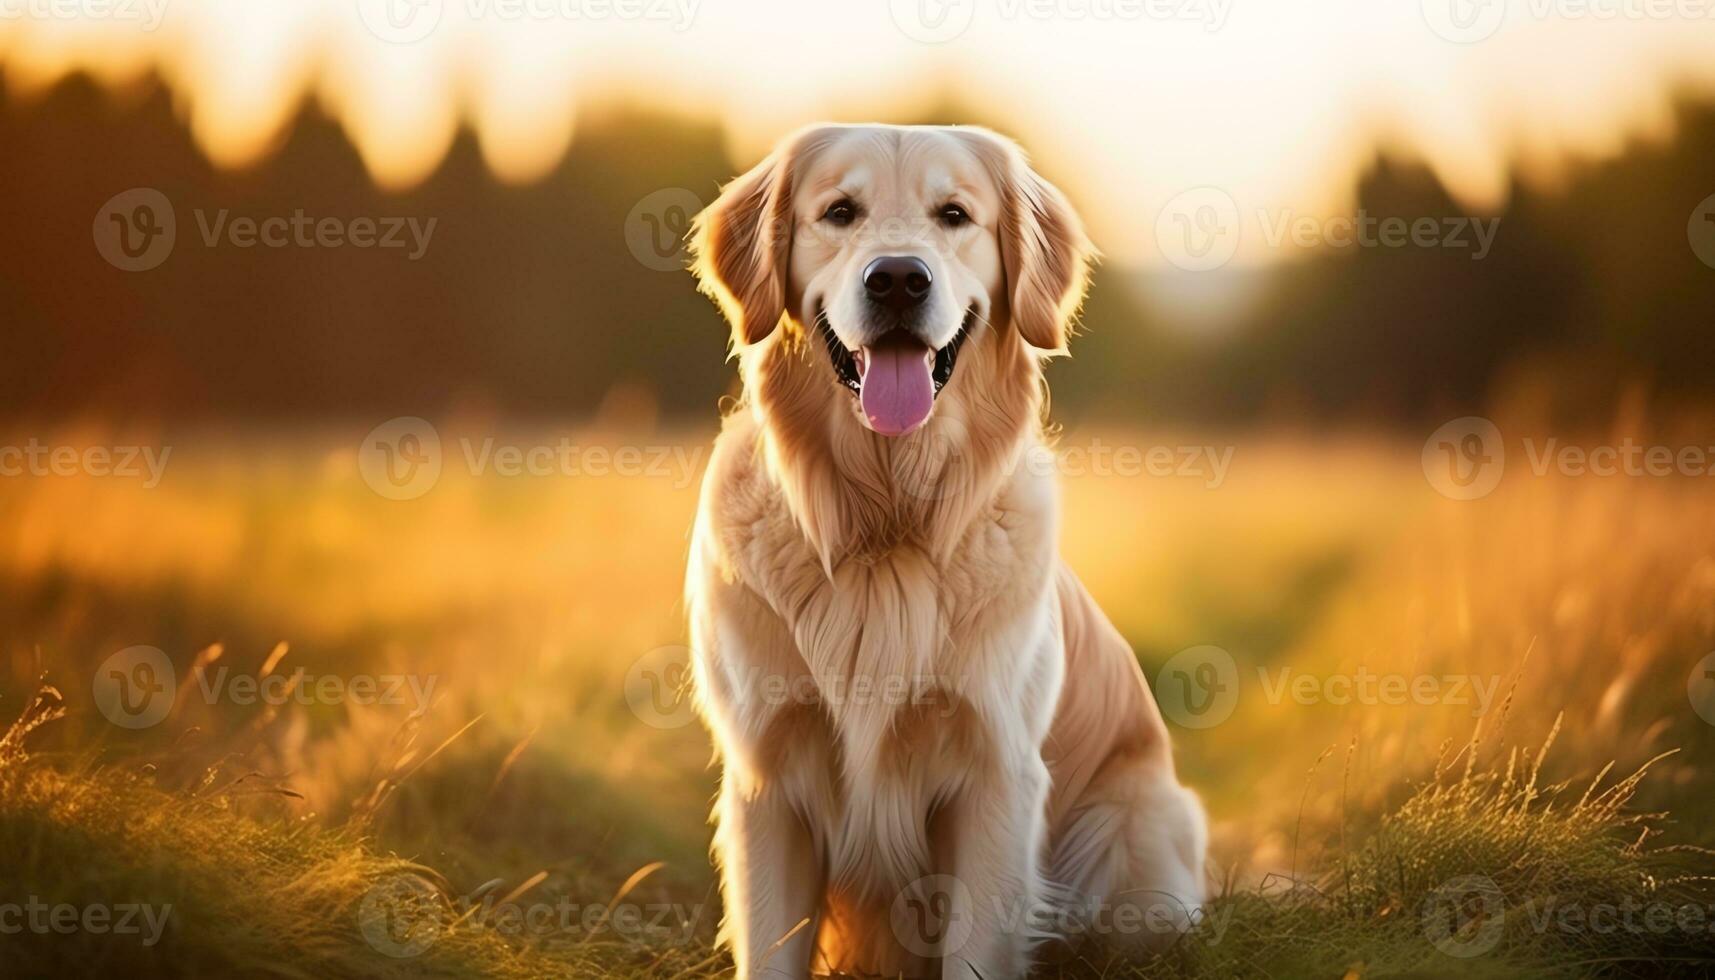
[742, 244]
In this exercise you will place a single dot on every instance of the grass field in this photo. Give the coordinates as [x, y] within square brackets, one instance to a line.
[1363, 677]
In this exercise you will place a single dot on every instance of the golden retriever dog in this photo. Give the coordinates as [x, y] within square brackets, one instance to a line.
[936, 750]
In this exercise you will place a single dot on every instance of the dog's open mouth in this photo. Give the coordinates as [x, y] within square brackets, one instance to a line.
[897, 378]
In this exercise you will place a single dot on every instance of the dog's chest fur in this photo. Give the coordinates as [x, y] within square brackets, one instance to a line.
[919, 671]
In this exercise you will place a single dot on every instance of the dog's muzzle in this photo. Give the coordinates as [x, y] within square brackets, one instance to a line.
[897, 377]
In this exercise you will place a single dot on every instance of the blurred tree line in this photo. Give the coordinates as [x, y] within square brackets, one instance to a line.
[528, 304]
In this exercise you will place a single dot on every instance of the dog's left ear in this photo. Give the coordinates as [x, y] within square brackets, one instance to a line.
[1043, 247]
[742, 244]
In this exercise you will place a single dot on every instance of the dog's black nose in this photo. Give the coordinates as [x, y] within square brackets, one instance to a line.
[898, 282]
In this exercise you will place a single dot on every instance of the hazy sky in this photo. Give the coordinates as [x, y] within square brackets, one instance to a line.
[1263, 108]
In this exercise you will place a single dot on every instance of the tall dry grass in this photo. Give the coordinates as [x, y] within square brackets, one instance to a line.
[528, 601]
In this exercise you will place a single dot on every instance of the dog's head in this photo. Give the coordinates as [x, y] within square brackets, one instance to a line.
[896, 251]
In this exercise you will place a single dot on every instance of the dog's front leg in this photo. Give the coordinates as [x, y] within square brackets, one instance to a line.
[1001, 825]
[770, 882]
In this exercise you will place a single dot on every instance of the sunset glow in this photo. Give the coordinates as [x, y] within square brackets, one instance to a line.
[1257, 99]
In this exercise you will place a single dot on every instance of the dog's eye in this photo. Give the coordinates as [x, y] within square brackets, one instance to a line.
[841, 212]
[953, 216]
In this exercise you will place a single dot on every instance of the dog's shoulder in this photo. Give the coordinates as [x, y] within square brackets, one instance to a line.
[741, 511]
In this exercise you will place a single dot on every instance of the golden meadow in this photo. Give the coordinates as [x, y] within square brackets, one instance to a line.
[1384, 643]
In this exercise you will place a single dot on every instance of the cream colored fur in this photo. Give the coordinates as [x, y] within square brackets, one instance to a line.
[936, 751]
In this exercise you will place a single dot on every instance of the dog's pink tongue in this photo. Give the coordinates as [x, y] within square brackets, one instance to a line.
[898, 391]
